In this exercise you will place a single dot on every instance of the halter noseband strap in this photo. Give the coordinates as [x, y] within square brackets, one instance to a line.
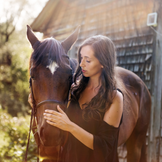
[42, 102]
[34, 113]
[48, 101]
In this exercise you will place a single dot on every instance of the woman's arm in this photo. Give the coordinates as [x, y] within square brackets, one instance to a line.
[61, 120]
[114, 113]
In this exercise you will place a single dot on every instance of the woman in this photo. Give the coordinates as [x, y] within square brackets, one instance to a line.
[94, 114]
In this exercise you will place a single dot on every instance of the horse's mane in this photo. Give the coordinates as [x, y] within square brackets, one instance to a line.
[47, 51]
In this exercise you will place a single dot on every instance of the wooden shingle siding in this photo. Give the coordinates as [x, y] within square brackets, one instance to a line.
[123, 21]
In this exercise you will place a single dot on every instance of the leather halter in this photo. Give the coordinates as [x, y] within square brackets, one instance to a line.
[48, 101]
[35, 106]
[34, 109]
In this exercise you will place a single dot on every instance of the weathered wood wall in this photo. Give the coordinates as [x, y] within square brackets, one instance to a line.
[155, 138]
[123, 21]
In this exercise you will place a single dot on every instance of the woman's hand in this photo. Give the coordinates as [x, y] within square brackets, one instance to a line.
[58, 119]
[61, 120]
[30, 100]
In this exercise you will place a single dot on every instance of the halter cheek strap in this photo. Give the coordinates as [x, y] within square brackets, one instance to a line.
[33, 113]
[35, 106]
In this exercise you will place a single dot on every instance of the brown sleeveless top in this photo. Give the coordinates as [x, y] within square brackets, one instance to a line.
[105, 139]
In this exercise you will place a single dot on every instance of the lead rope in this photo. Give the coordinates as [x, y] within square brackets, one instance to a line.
[31, 120]
[33, 115]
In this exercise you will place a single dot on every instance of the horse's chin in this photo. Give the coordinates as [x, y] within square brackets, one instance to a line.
[49, 153]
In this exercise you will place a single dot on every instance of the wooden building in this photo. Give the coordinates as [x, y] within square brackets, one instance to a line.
[138, 46]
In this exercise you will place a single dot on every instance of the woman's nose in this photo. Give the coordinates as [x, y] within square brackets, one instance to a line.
[82, 63]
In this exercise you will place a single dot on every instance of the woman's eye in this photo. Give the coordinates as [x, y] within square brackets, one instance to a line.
[88, 61]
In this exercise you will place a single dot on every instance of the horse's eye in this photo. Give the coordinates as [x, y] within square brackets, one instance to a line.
[32, 77]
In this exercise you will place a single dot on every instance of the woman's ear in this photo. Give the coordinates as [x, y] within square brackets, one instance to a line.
[102, 66]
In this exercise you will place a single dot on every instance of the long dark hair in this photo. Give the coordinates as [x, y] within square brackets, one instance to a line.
[104, 51]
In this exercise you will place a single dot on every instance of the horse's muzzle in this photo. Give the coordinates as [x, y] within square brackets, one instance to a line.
[49, 135]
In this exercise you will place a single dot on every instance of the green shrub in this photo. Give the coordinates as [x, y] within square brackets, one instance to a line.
[15, 131]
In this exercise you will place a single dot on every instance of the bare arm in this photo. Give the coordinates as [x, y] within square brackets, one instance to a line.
[114, 113]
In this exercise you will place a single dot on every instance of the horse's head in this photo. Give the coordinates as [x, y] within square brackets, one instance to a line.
[50, 79]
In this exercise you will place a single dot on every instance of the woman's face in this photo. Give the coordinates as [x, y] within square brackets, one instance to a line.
[90, 65]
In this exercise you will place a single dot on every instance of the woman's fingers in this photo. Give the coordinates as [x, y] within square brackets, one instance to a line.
[55, 112]
[51, 123]
[50, 115]
[52, 112]
[50, 118]
[60, 110]
[58, 119]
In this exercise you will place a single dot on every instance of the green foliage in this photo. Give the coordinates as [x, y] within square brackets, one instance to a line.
[14, 87]
[15, 52]
[15, 131]
[14, 90]
[14, 57]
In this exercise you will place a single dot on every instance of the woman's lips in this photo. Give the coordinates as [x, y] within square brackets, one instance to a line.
[83, 71]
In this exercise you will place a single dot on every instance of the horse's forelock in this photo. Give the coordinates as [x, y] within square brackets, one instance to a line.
[49, 51]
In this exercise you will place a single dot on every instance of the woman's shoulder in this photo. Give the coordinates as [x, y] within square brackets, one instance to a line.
[113, 114]
[117, 102]
[118, 95]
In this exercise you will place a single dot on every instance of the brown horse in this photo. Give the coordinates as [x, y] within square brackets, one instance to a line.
[51, 76]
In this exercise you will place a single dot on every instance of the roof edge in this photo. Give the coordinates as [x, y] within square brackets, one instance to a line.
[38, 25]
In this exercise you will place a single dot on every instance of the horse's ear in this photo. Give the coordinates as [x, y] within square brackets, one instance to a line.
[31, 36]
[68, 42]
